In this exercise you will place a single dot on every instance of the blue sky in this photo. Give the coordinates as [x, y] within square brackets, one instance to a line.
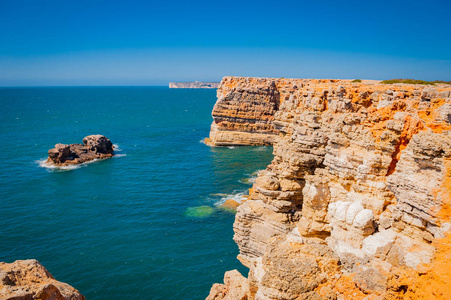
[92, 42]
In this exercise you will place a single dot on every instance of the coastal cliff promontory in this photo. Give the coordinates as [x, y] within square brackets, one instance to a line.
[193, 85]
[244, 112]
[356, 202]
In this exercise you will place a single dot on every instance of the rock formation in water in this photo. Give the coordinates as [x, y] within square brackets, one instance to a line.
[193, 85]
[356, 202]
[28, 280]
[93, 147]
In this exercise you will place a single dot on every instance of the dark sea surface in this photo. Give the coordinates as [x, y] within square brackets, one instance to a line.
[142, 225]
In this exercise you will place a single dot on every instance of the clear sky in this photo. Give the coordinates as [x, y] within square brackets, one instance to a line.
[137, 42]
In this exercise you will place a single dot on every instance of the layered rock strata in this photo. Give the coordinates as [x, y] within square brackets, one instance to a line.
[357, 196]
[244, 112]
[28, 279]
[93, 147]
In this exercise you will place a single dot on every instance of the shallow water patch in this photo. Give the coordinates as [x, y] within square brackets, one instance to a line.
[199, 211]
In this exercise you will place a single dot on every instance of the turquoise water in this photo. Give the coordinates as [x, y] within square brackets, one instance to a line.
[144, 224]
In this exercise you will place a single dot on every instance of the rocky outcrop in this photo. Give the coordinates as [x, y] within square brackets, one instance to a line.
[358, 192]
[193, 85]
[235, 287]
[93, 147]
[28, 279]
[244, 112]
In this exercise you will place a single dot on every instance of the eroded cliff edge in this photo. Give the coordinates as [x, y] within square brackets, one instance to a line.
[356, 202]
[244, 112]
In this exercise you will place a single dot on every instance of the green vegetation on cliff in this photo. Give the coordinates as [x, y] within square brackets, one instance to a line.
[414, 81]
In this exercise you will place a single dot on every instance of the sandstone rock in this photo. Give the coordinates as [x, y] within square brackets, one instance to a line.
[363, 168]
[293, 271]
[350, 257]
[352, 212]
[428, 93]
[28, 279]
[268, 182]
[378, 244]
[364, 219]
[316, 197]
[370, 280]
[244, 113]
[230, 204]
[338, 210]
[255, 223]
[235, 287]
[444, 113]
[93, 147]
[419, 172]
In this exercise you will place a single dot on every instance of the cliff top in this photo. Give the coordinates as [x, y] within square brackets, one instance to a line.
[407, 83]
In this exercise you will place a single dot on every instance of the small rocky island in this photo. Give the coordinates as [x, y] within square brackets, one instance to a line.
[94, 147]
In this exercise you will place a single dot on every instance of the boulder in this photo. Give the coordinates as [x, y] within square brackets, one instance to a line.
[230, 204]
[28, 279]
[235, 287]
[378, 244]
[370, 280]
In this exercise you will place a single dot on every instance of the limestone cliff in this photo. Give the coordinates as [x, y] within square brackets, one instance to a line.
[28, 279]
[244, 112]
[356, 202]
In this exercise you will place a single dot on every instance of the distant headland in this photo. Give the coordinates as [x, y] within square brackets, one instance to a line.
[193, 85]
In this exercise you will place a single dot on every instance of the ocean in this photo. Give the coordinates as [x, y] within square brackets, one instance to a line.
[142, 225]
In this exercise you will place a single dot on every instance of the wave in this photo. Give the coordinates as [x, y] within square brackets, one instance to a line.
[237, 196]
[118, 149]
[51, 167]
[251, 179]
[261, 148]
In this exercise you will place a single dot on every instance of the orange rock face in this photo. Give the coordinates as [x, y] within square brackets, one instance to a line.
[361, 171]
[244, 112]
[28, 279]
[230, 204]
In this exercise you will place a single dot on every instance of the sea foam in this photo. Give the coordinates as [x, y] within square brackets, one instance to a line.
[237, 196]
[51, 167]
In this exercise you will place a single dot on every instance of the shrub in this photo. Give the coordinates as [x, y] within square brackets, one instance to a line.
[414, 81]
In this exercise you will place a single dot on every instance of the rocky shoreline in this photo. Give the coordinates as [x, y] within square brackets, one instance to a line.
[93, 147]
[356, 203]
[28, 279]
